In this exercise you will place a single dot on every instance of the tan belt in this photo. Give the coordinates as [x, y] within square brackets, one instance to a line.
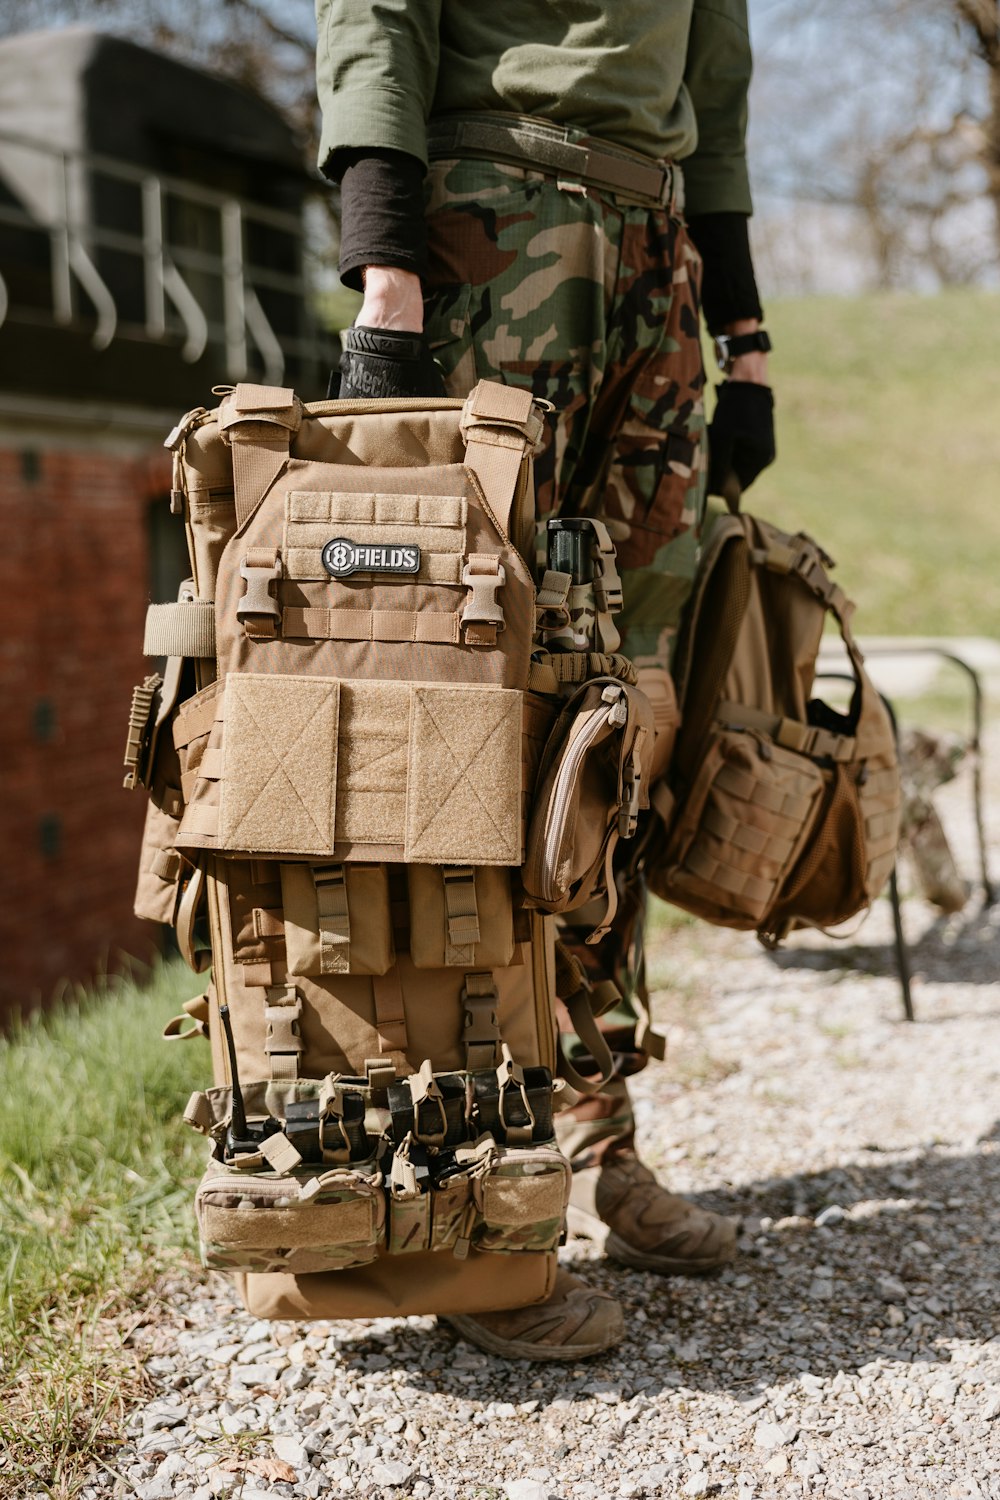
[529, 142]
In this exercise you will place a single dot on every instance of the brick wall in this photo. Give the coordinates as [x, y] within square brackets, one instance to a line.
[74, 565]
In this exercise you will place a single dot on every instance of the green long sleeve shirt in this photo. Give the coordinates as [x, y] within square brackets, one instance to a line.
[668, 78]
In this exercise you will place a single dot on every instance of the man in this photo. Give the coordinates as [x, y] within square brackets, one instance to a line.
[518, 164]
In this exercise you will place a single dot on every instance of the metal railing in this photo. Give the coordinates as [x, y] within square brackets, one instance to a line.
[171, 265]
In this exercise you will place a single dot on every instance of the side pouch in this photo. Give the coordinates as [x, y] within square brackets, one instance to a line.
[751, 810]
[593, 782]
[300, 1222]
[160, 869]
[522, 1200]
[460, 917]
[337, 918]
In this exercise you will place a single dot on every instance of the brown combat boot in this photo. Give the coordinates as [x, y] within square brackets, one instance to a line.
[575, 1321]
[619, 1201]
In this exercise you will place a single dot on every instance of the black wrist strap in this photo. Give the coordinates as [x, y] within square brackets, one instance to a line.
[731, 346]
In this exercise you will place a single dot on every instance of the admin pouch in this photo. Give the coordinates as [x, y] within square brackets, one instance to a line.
[777, 811]
[342, 752]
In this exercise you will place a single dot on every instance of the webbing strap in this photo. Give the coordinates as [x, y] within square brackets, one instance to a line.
[333, 917]
[500, 423]
[258, 421]
[608, 596]
[165, 865]
[461, 915]
[370, 625]
[791, 734]
[283, 1040]
[481, 1031]
[182, 629]
[582, 1002]
[390, 1014]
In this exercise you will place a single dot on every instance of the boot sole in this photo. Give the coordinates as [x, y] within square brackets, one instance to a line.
[591, 1228]
[522, 1348]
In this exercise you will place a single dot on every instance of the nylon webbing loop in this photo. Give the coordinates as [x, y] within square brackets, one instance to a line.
[791, 734]
[186, 628]
[283, 1040]
[461, 914]
[418, 625]
[481, 1031]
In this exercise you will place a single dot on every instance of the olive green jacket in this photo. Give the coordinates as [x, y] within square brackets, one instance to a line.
[668, 78]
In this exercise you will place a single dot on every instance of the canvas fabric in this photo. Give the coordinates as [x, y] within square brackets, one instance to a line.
[342, 754]
[778, 811]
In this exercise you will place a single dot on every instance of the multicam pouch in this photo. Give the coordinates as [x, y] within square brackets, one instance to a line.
[302, 1221]
[522, 1199]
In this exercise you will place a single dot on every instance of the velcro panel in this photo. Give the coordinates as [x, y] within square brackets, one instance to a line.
[278, 788]
[313, 1225]
[372, 766]
[464, 792]
[516, 1201]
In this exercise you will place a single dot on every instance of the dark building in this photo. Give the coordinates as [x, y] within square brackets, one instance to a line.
[152, 245]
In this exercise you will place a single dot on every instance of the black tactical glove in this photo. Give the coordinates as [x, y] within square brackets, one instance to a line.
[380, 362]
[741, 436]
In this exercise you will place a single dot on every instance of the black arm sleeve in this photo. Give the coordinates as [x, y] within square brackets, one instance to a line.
[381, 211]
[729, 287]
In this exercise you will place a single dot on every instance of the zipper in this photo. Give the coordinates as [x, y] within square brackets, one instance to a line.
[562, 793]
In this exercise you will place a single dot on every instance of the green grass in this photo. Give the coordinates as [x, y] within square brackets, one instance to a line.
[889, 452]
[96, 1170]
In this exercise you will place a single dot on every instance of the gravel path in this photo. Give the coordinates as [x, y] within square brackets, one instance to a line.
[853, 1350]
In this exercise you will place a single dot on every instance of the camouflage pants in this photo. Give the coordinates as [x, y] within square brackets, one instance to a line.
[591, 302]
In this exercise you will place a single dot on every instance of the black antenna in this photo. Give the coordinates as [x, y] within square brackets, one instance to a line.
[238, 1129]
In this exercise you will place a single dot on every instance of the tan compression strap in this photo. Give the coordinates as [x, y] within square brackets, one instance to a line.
[791, 734]
[187, 914]
[258, 421]
[390, 1014]
[481, 1033]
[461, 915]
[333, 918]
[500, 423]
[608, 597]
[186, 629]
[283, 1041]
[420, 625]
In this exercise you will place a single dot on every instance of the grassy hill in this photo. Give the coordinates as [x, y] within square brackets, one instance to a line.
[888, 412]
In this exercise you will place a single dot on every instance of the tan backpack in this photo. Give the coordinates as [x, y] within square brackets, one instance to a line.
[342, 754]
[777, 811]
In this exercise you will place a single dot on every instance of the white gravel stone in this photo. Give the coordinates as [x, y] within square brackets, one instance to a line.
[861, 1344]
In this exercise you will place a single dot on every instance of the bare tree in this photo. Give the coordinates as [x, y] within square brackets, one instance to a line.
[889, 108]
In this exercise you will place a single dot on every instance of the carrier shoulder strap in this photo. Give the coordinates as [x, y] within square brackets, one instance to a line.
[257, 421]
[500, 424]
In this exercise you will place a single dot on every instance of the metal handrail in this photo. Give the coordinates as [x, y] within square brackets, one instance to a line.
[75, 238]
